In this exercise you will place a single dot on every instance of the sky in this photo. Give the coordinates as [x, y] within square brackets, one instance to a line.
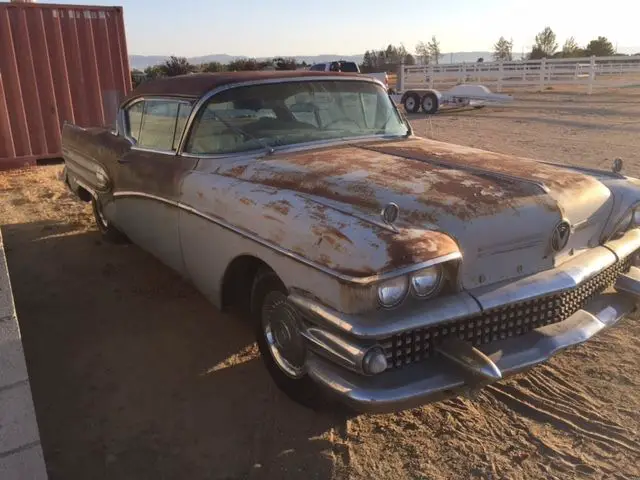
[265, 28]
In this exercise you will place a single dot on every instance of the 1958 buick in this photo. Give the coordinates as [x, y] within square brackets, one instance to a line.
[379, 267]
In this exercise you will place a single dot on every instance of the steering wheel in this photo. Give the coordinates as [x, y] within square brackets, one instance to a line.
[340, 120]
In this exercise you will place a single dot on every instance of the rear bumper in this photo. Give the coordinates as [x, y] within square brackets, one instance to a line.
[439, 377]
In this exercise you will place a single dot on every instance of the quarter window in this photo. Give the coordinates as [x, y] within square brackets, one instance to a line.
[157, 124]
[134, 120]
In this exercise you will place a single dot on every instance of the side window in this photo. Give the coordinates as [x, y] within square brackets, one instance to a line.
[318, 68]
[158, 125]
[134, 120]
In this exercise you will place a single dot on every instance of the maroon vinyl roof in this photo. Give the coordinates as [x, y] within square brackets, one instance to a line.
[196, 85]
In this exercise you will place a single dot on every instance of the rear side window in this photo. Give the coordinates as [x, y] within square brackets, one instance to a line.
[134, 120]
[318, 68]
[157, 124]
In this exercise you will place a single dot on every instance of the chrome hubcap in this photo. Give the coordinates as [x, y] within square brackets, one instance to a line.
[410, 103]
[281, 331]
[427, 104]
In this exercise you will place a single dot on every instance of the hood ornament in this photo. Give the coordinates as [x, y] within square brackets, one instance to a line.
[390, 213]
[617, 165]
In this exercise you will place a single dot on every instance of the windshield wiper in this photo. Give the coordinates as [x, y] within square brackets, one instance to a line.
[268, 148]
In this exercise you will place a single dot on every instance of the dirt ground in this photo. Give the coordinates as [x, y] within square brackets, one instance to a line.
[136, 376]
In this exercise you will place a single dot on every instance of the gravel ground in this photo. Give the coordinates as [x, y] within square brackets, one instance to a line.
[136, 376]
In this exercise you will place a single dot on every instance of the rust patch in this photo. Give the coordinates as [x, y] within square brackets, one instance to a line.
[403, 252]
[247, 201]
[270, 217]
[459, 156]
[236, 171]
[280, 206]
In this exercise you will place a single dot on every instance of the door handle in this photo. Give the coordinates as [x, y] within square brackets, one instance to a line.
[123, 160]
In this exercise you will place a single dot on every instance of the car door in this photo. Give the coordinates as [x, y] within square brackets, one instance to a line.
[149, 177]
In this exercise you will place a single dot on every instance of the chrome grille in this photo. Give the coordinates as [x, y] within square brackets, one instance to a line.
[503, 322]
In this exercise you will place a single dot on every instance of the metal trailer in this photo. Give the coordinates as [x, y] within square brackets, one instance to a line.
[430, 100]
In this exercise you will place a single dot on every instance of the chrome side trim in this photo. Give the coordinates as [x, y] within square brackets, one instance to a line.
[127, 193]
[382, 324]
[418, 384]
[335, 348]
[347, 278]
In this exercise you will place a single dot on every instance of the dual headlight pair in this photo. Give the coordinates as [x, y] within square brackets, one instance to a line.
[423, 284]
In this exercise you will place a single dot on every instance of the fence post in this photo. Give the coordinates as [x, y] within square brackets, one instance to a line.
[400, 79]
[500, 75]
[543, 73]
[592, 75]
[430, 70]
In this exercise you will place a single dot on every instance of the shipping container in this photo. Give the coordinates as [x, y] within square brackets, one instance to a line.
[58, 63]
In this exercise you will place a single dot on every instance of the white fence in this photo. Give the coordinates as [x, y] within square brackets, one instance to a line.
[590, 71]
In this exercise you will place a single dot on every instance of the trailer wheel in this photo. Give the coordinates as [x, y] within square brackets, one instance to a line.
[412, 103]
[430, 103]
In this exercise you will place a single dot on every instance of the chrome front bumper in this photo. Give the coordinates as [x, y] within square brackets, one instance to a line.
[456, 367]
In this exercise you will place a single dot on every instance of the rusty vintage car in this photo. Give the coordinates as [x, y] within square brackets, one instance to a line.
[382, 268]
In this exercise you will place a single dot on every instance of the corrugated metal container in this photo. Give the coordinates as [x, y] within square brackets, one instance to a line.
[57, 63]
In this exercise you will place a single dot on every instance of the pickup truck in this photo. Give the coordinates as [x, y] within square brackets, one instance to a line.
[349, 67]
[376, 267]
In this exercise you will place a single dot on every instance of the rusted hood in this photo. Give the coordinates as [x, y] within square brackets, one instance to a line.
[501, 210]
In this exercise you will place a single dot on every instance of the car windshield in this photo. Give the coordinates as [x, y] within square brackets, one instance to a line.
[287, 113]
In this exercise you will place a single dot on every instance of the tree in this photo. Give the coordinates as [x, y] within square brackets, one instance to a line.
[423, 53]
[600, 47]
[212, 67]
[176, 66]
[243, 64]
[434, 49]
[284, 63]
[480, 60]
[503, 50]
[571, 48]
[545, 45]
[153, 71]
[386, 60]
[137, 77]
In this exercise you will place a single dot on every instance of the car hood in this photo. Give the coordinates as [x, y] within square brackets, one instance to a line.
[501, 210]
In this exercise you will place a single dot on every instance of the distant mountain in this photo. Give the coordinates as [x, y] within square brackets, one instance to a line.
[143, 61]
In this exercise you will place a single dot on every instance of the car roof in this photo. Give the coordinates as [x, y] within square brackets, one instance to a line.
[198, 84]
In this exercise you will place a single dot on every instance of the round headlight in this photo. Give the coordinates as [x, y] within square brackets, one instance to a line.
[426, 282]
[392, 292]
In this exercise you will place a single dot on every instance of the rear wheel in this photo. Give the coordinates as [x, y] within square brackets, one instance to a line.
[412, 103]
[108, 231]
[281, 345]
[430, 103]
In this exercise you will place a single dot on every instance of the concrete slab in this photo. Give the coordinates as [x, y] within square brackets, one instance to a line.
[13, 368]
[21, 455]
[25, 464]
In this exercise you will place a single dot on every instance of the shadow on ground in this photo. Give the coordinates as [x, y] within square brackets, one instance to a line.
[135, 375]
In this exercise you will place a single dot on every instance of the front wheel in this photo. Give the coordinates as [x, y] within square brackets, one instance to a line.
[281, 344]
[106, 228]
